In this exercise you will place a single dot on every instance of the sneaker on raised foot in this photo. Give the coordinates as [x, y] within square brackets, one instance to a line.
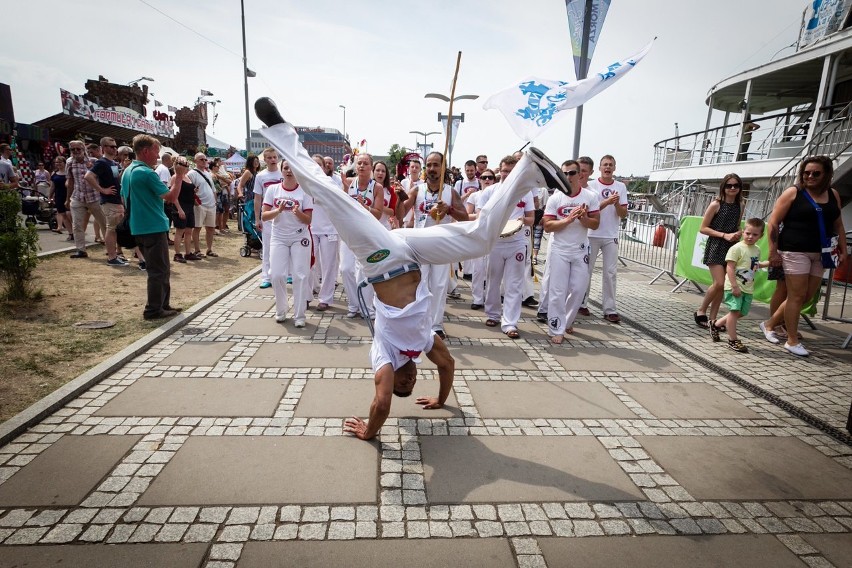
[796, 349]
[737, 346]
[769, 334]
[281, 318]
[352, 315]
[553, 176]
[267, 112]
[300, 323]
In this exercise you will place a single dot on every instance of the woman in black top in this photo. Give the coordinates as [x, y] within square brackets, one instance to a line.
[721, 223]
[59, 194]
[184, 217]
[795, 244]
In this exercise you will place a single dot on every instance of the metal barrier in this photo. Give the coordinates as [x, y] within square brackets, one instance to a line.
[650, 238]
[838, 288]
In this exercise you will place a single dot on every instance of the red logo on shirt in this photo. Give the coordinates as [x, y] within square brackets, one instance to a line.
[289, 204]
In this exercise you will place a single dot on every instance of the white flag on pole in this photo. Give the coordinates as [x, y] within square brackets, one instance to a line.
[531, 105]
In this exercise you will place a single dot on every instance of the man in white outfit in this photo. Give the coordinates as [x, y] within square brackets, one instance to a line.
[326, 244]
[392, 261]
[613, 200]
[263, 180]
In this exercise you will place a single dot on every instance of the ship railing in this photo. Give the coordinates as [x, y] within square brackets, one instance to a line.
[837, 305]
[650, 238]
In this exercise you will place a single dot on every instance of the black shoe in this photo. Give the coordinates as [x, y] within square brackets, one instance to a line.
[553, 176]
[541, 316]
[267, 112]
[160, 315]
[584, 312]
[80, 254]
[476, 306]
[467, 276]
[530, 302]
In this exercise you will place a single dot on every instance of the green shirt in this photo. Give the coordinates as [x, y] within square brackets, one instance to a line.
[745, 258]
[141, 189]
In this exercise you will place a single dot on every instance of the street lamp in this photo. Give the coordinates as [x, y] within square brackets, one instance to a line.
[344, 120]
[246, 74]
[423, 147]
[449, 118]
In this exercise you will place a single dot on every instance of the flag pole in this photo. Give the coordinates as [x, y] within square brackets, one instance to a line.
[584, 71]
[450, 121]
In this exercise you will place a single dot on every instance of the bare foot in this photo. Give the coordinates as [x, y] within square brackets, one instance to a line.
[557, 339]
[569, 330]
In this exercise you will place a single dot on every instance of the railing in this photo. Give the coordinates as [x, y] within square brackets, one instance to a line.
[650, 238]
[838, 289]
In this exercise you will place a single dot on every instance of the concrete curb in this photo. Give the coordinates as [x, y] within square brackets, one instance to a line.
[35, 413]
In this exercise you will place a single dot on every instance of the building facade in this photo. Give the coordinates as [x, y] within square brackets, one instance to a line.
[316, 140]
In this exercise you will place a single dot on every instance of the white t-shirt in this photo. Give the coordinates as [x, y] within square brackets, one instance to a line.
[203, 189]
[265, 179]
[610, 221]
[402, 333]
[525, 205]
[163, 172]
[558, 207]
[461, 186]
[286, 224]
[426, 200]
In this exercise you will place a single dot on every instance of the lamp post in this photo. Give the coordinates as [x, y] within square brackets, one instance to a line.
[423, 147]
[344, 121]
[246, 74]
[450, 118]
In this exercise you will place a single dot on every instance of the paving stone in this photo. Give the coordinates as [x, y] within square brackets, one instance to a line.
[488, 528]
[286, 532]
[345, 398]
[127, 556]
[686, 400]
[613, 359]
[262, 532]
[552, 400]
[198, 353]
[226, 551]
[836, 548]
[28, 535]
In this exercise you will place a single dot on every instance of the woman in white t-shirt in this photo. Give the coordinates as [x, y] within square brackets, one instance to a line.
[289, 209]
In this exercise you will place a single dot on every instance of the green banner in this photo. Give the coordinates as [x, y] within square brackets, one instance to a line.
[689, 265]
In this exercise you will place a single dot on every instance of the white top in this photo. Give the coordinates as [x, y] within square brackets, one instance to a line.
[163, 172]
[525, 205]
[461, 186]
[474, 200]
[426, 200]
[610, 221]
[402, 333]
[543, 195]
[286, 224]
[203, 189]
[265, 179]
[558, 207]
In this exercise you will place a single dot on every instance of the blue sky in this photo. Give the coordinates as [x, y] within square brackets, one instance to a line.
[379, 57]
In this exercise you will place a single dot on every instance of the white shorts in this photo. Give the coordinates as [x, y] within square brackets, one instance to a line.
[205, 216]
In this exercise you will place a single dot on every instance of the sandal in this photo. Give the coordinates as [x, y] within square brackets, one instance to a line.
[714, 331]
[492, 323]
[737, 346]
[513, 334]
[701, 320]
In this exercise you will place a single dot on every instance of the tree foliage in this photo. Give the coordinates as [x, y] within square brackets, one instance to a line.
[395, 155]
[18, 249]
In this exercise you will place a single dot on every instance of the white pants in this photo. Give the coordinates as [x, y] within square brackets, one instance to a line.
[266, 237]
[78, 217]
[609, 250]
[506, 265]
[529, 290]
[291, 256]
[569, 272]
[437, 277]
[543, 294]
[327, 251]
[384, 253]
[352, 274]
[478, 267]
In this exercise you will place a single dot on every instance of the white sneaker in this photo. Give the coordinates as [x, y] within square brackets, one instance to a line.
[352, 315]
[280, 319]
[769, 334]
[300, 323]
[796, 349]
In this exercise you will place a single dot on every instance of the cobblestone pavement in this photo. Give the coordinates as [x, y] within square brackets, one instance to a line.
[223, 447]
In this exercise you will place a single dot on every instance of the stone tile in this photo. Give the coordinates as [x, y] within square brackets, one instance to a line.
[59, 475]
[290, 355]
[485, 553]
[344, 398]
[686, 400]
[611, 360]
[485, 357]
[512, 399]
[124, 555]
[198, 353]
[521, 469]
[837, 548]
[582, 331]
[677, 552]
[749, 467]
[254, 305]
[268, 326]
[164, 396]
[260, 470]
[343, 328]
[472, 329]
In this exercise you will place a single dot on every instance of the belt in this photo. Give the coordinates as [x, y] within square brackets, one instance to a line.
[392, 274]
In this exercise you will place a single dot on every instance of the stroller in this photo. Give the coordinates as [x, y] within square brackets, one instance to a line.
[254, 241]
[36, 207]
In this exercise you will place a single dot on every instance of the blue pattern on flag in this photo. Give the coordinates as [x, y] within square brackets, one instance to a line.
[535, 91]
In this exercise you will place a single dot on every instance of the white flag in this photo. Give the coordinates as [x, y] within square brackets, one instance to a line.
[531, 105]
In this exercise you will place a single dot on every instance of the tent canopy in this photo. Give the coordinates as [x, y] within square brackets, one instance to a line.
[235, 162]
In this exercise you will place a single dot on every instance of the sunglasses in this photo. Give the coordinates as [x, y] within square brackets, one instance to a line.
[483, 162]
[732, 186]
[570, 172]
[816, 174]
[487, 177]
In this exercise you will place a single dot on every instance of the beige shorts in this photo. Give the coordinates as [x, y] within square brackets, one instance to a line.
[205, 216]
[114, 213]
[802, 263]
